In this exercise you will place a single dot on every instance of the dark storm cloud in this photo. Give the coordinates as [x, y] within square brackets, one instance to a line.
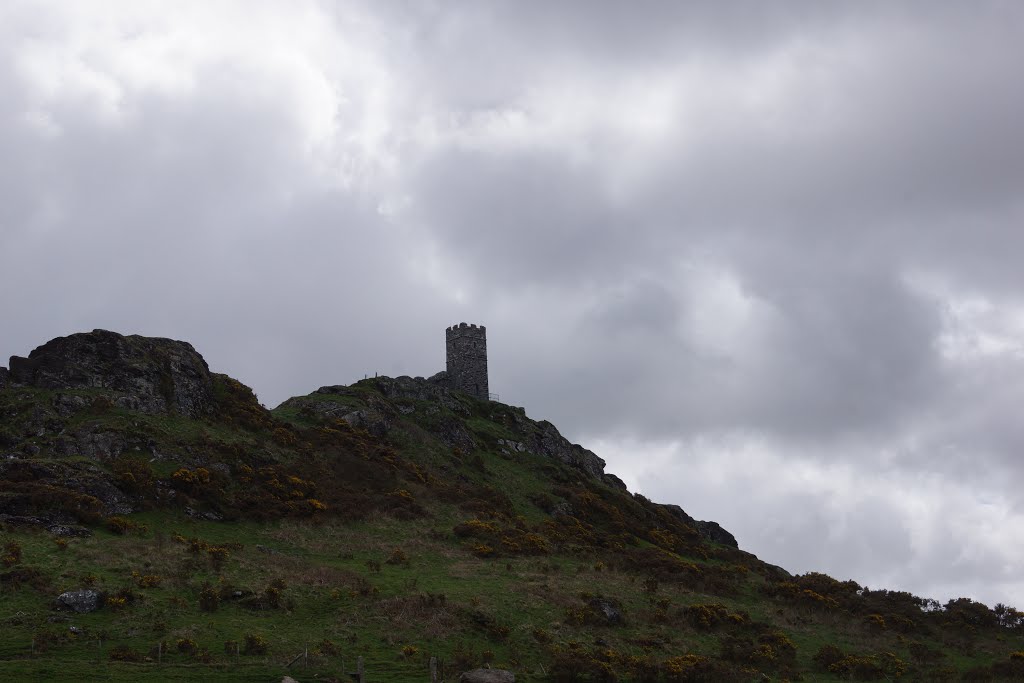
[762, 257]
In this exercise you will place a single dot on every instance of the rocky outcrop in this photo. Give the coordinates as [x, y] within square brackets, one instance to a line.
[613, 481]
[59, 491]
[548, 441]
[710, 531]
[536, 437]
[3, 377]
[419, 389]
[150, 375]
[80, 601]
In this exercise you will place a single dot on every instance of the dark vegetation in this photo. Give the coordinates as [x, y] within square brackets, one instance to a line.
[395, 525]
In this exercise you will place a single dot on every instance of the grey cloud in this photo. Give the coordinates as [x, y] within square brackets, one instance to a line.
[815, 158]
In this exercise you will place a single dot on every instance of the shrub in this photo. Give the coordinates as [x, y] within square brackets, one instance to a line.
[705, 616]
[12, 554]
[115, 602]
[397, 557]
[409, 651]
[858, 667]
[875, 622]
[684, 667]
[783, 648]
[272, 596]
[25, 576]
[255, 644]
[123, 653]
[123, 526]
[186, 646]
[149, 581]
[197, 482]
[482, 550]
[219, 556]
[534, 544]
[771, 650]
[826, 656]
[134, 474]
[209, 599]
[900, 623]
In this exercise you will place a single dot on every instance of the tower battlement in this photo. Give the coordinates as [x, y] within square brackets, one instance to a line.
[466, 354]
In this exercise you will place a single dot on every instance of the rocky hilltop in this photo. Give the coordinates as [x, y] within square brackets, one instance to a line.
[430, 403]
[146, 374]
[67, 407]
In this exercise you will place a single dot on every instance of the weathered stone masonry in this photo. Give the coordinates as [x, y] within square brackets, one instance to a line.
[466, 351]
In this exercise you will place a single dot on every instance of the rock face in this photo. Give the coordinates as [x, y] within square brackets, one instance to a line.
[711, 531]
[487, 676]
[548, 441]
[151, 375]
[80, 601]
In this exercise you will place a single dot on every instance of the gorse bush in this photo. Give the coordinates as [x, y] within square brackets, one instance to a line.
[11, 554]
[254, 644]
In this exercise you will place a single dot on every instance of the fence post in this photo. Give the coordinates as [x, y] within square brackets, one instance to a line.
[433, 670]
[359, 670]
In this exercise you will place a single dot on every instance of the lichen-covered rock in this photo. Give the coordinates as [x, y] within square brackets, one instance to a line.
[370, 420]
[714, 532]
[614, 482]
[711, 531]
[487, 676]
[150, 375]
[421, 390]
[547, 440]
[81, 601]
[69, 530]
[607, 610]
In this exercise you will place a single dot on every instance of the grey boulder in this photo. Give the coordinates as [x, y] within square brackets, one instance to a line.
[81, 601]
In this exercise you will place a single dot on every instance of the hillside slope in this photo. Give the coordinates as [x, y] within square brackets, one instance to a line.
[393, 520]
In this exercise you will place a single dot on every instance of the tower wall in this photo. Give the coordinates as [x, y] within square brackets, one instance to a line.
[466, 351]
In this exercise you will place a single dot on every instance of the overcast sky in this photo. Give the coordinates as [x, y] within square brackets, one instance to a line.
[764, 258]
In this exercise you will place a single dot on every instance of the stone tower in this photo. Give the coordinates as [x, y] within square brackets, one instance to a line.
[466, 350]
